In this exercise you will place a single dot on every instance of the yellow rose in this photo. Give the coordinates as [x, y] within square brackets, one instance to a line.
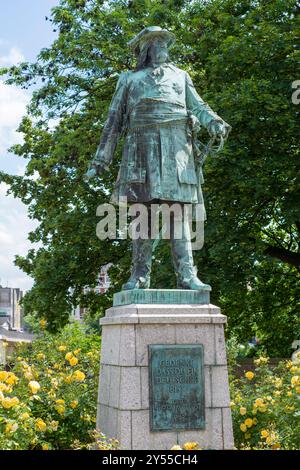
[277, 393]
[54, 382]
[11, 379]
[232, 405]
[276, 446]
[295, 380]
[62, 347]
[77, 351]
[40, 425]
[3, 375]
[34, 386]
[243, 427]
[190, 446]
[25, 416]
[73, 404]
[7, 403]
[176, 448]
[297, 389]
[68, 356]
[78, 376]
[289, 408]
[4, 388]
[248, 422]
[15, 401]
[278, 382]
[68, 379]
[54, 425]
[289, 394]
[60, 401]
[264, 433]
[259, 402]
[249, 375]
[45, 447]
[43, 323]
[40, 356]
[73, 361]
[11, 427]
[243, 410]
[269, 440]
[60, 409]
[28, 375]
[261, 360]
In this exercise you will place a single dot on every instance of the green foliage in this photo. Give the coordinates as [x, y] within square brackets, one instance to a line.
[243, 57]
[251, 257]
[48, 399]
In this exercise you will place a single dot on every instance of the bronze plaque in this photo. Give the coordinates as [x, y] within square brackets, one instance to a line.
[176, 382]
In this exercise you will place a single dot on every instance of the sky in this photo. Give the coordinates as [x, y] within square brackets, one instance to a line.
[23, 33]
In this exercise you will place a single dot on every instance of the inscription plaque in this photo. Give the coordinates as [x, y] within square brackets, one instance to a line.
[176, 382]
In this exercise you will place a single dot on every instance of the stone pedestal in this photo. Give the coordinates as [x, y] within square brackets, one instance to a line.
[123, 400]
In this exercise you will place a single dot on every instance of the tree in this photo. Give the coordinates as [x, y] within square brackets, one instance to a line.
[243, 57]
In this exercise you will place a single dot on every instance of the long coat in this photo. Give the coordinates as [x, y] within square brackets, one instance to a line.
[151, 107]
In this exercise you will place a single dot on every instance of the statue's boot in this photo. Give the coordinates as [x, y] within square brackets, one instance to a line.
[141, 265]
[183, 260]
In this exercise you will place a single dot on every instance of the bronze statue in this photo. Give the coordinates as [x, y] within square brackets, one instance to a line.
[158, 110]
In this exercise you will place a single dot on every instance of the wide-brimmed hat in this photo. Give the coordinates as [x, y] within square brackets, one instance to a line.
[150, 33]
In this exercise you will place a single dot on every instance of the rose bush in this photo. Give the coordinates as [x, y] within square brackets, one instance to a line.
[48, 397]
[266, 406]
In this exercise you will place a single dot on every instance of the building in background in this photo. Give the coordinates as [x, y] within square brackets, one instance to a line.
[102, 285]
[10, 308]
[11, 321]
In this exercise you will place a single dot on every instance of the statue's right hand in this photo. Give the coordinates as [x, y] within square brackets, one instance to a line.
[93, 171]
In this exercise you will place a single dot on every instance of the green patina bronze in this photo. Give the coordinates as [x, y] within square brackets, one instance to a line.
[162, 296]
[159, 113]
[176, 384]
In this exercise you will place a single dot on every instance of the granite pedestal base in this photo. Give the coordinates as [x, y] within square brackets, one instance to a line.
[123, 401]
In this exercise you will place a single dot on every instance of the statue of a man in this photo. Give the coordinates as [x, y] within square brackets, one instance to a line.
[154, 106]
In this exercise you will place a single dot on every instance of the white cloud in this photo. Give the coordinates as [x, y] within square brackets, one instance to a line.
[14, 228]
[13, 57]
[14, 222]
[13, 103]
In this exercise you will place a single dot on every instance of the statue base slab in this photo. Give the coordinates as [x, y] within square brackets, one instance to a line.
[163, 296]
[123, 399]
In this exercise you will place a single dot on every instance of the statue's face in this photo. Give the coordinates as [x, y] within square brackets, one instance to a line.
[158, 51]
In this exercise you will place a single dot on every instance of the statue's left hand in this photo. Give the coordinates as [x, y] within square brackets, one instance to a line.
[219, 129]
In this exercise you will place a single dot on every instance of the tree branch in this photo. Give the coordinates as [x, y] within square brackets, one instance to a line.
[289, 257]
